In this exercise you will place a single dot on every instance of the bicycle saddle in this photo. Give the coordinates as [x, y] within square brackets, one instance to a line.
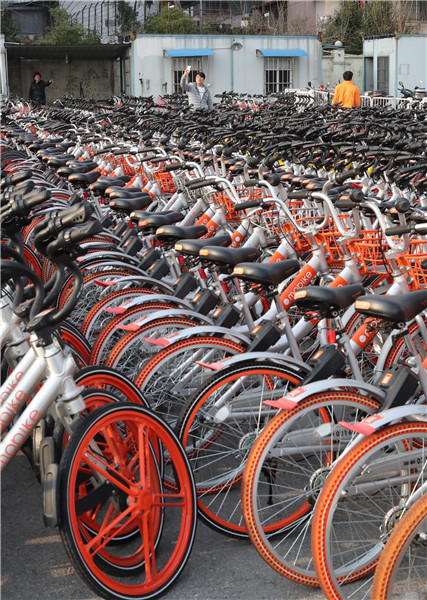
[398, 309]
[80, 167]
[104, 182]
[83, 179]
[173, 233]
[129, 205]
[56, 160]
[267, 273]
[193, 247]
[122, 192]
[326, 299]
[229, 257]
[152, 222]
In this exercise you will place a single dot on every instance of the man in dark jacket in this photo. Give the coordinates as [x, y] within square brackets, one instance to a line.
[37, 87]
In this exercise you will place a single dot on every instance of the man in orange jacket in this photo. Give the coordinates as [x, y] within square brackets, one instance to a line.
[346, 93]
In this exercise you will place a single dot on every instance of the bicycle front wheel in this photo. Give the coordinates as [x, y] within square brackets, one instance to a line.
[285, 471]
[401, 570]
[218, 427]
[360, 503]
[109, 482]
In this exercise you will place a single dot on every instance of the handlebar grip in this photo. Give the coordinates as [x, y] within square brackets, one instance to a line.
[357, 196]
[344, 204]
[273, 179]
[402, 205]
[21, 206]
[15, 178]
[251, 182]
[399, 230]
[341, 177]
[299, 194]
[195, 185]
[248, 204]
[75, 215]
[70, 238]
[173, 167]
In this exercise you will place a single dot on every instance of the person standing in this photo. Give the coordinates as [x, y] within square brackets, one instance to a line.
[199, 96]
[347, 94]
[37, 89]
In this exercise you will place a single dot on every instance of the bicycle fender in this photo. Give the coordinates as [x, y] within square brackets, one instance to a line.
[143, 299]
[142, 279]
[295, 396]
[115, 256]
[182, 334]
[111, 265]
[280, 359]
[375, 422]
[162, 314]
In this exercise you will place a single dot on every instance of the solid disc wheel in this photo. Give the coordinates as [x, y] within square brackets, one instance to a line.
[285, 471]
[359, 504]
[218, 427]
[402, 567]
[109, 475]
[172, 375]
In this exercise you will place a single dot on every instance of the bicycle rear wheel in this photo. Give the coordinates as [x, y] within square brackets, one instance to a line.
[109, 474]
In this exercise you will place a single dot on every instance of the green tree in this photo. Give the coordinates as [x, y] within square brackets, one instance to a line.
[170, 20]
[126, 16]
[67, 31]
[9, 27]
[354, 20]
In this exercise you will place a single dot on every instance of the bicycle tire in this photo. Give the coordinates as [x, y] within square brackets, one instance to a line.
[130, 469]
[132, 348]
[285, 469]
[218, 442]
[171, 376]
[110, 301]
[344, 566]
[111, 333]
[402, 565]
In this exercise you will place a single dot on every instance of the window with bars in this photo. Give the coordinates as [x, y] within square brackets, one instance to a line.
[278, 74]
[178, 67]
[383, 73]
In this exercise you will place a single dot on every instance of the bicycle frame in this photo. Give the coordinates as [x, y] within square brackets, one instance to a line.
[55, 368]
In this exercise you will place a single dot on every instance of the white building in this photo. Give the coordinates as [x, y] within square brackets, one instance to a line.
[391, 59]
[245, 64]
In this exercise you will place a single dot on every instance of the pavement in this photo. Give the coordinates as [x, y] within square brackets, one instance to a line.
[34, 565]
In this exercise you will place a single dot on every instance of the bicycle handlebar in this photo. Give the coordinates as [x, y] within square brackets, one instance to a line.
[69, 238]
[15, 178]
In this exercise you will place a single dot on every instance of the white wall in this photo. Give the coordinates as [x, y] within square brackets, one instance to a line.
[241, 71]
[408, 60]
[334, 65]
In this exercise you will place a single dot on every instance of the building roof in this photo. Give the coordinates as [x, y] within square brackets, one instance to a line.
[46, 52]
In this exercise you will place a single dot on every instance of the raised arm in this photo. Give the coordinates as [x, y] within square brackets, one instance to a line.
[184, 83]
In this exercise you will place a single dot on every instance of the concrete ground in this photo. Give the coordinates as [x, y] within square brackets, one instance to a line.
[34, 565]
